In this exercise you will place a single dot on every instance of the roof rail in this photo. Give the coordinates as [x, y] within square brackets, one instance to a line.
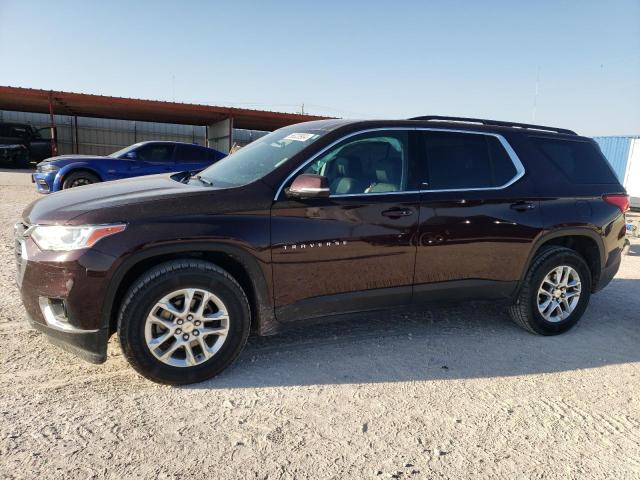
[437, 118]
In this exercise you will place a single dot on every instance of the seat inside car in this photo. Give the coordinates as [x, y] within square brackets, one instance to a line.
[388, 174]
[346, 176]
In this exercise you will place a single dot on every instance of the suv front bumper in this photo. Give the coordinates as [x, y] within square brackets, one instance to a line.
[90, 345]
[63, 294]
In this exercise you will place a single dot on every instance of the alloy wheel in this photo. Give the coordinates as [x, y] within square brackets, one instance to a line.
[559, 293]
[80, 182]
[186, 327]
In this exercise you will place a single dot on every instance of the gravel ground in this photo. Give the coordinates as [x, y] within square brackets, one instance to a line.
[448, 392]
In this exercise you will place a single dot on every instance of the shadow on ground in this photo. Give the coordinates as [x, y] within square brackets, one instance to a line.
[464, 341]
[634, 250]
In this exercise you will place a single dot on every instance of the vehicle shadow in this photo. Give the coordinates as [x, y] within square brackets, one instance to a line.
[471, 340]
[634, 250]
[17, 170]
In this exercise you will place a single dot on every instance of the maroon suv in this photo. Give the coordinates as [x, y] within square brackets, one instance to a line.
[317, 220]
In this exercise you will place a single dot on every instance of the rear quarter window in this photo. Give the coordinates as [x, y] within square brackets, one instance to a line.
[466, 161]
[580, 161]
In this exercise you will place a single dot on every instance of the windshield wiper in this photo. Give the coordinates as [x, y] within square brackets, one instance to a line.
[203, 180]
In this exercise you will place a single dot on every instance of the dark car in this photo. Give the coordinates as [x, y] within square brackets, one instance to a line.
[317, 220]
[20, 143]
[144, 158]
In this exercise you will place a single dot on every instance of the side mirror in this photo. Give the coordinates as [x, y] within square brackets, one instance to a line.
[131, 155]
[309, 186]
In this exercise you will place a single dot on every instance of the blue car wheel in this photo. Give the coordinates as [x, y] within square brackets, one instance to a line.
[78, 179]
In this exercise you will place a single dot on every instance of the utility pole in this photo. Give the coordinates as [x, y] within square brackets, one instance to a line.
[52, 125]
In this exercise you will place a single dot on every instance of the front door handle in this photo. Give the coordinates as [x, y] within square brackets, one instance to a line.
[397, 212]
[523, 206]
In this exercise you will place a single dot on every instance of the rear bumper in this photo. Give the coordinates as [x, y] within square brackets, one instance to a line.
[610, 270]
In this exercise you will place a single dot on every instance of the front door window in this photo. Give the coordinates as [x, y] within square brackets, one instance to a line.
[369, 163]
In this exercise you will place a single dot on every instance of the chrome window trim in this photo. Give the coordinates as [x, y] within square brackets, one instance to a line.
[513, 156]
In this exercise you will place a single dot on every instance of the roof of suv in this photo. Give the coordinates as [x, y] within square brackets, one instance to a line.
[457, 123]
[144, 142]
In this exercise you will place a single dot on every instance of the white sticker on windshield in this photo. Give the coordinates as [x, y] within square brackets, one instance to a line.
[299, 137]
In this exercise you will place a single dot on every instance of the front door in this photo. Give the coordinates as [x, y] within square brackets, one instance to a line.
[356, 249]
[152, 158]
[478, 216]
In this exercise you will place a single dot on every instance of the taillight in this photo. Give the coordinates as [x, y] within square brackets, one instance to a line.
[620, 200]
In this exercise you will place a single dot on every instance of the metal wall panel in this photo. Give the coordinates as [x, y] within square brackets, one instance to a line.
[616, 150]
[102, 136]
[632, 178]
[39, 120]
[244, 137]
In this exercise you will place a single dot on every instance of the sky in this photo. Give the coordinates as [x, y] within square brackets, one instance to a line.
[353, 59]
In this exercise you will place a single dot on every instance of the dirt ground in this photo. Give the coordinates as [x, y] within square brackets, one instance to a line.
[448, 392]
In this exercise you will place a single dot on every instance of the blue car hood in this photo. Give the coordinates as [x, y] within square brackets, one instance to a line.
[62, 160]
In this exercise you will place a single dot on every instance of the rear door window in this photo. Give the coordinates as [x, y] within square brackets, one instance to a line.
[580, 161]
[156, 152]
[191, 154]
[459, 161]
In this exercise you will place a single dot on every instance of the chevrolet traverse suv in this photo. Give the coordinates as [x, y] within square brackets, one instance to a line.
[316, 220]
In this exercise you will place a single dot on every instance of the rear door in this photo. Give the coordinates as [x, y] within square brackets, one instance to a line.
[191, 157]
[478, 215]
[354, 250]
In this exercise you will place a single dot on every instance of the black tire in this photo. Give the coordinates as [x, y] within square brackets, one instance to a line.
[525, 312]
[78, 179]
[24, 161]
[162, 280]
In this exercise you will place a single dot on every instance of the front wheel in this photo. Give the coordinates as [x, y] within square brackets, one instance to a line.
[78, 179]
[555, 292]
[183, 321]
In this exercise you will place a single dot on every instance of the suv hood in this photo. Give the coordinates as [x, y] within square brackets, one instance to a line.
[62, 207]
[140, 198]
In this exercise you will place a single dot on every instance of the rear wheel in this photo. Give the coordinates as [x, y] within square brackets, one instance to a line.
[78, 179]
[183, 322]
[555, 292]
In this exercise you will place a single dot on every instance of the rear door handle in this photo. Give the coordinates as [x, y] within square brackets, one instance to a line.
[397, 212]
[523, 206]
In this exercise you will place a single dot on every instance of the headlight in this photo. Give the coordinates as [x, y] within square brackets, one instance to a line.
[62, 238]
[47, 168]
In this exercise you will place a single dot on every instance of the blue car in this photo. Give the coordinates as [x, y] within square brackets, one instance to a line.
[144, 158]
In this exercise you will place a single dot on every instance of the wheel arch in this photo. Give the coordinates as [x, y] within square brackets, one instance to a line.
[583, 240]
[73, 168]
[244, 267]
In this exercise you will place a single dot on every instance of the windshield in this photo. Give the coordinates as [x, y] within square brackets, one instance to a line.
[260, 157]
[121, 153]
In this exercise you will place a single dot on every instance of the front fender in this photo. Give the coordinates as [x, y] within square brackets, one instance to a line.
[67, 169]
[259, 278]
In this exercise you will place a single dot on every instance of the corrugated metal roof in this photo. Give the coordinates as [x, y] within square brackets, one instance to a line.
[89, 105]
[616, 150]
